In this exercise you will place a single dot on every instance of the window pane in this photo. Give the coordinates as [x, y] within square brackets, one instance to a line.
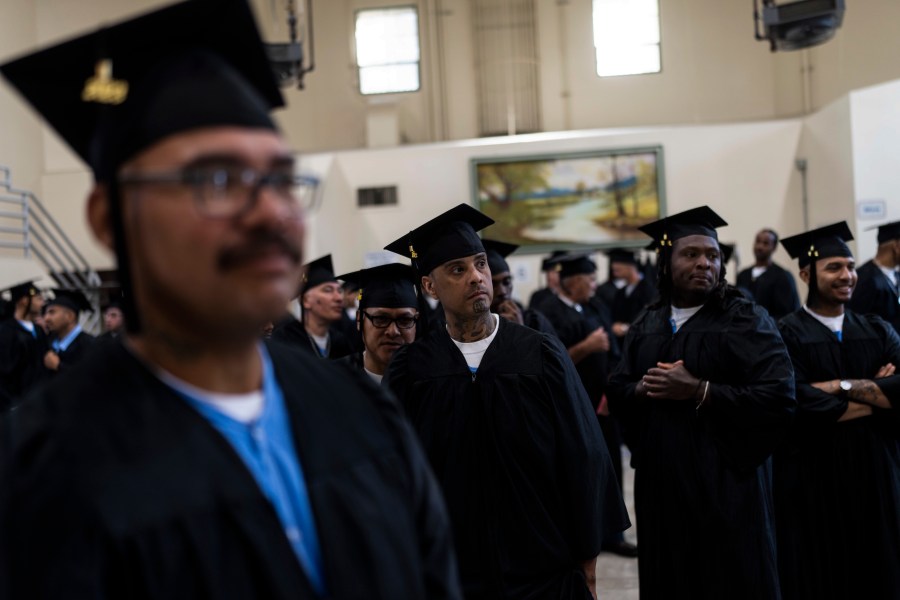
[626, 36]
[387, 50]
[633, 61]
[389, 78]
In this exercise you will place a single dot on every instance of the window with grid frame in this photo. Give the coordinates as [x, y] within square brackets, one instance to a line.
[626, 37]
[387, 50]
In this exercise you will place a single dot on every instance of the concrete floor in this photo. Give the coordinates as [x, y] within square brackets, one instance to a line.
[617, 577]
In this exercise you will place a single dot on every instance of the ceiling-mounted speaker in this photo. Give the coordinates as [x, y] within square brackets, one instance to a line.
[796, 25]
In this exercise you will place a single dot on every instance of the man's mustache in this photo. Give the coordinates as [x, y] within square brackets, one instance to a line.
[257, 245]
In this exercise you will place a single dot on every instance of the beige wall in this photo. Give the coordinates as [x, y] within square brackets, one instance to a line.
[713, 71]
[875, 136]
[826, 145]
[20, 133]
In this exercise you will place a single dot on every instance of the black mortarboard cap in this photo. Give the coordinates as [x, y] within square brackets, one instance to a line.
[823, 242]
[116, 91]
[21, 290]
[317, 272]
[497, 252]
[72, 299]
[621, 255]
[887, 231]
[574, 264]
[386, 286]
[448, 236]
[550, 262]
[115, 300]
[696, 221]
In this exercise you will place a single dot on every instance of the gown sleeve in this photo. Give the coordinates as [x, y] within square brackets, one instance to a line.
[432, 520]
[749, 419]
[585, 470]
[396, 376]
[815, 407]
[890, 386]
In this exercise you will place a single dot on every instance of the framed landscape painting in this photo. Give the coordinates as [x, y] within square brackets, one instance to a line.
[594, 199]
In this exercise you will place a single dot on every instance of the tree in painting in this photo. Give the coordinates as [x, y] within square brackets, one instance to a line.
[504, 181]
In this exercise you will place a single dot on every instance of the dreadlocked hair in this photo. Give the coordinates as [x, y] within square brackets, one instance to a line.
[812, 294]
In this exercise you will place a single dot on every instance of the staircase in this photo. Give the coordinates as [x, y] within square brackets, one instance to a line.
[29, 234]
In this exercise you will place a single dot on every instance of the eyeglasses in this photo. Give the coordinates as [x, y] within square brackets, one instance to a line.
[383, 321]
[223, 192]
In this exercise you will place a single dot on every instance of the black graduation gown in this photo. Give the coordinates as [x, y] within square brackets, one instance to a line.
[775, 290]
[433, 318]
[353, 360]
[74, 352]
[875, 295]
[21, 361]
[625, 308]
[119, 489]
[521, 461]
[703, 478]
[572, 327]
[606, 292]
[107, 336]
[837, 485]
[536, 320]
[347, 327]
[293, 333]
[539, 297]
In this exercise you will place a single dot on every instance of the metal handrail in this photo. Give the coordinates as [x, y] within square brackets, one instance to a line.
[62, 234]
[59, 273]
[69, 260]
[44, 239]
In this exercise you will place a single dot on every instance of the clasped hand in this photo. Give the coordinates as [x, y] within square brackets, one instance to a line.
[668, 380]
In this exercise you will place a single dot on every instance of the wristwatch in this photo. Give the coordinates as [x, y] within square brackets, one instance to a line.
[846, 386]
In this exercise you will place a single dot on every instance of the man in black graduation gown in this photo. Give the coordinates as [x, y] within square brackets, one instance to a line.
[68, 343]
[876, 290]
[113, 322]
[386, 317]
[771, 286]
[629, 300]
[191, 460]
[22, 348]
[538, 297]
[503, 303]
[707, 378]
[350, 289]
[606, 291]
[507, 427]
[318, 330]
[837, 480]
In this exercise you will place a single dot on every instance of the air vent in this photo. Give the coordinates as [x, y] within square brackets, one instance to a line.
[377, 196]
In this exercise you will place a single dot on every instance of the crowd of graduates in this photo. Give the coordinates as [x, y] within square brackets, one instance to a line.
[417, 432]
[712, 483]
[773, 481]
[42, 336]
